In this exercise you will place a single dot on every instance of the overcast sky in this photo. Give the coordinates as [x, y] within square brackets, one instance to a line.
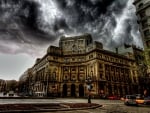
[28, 27]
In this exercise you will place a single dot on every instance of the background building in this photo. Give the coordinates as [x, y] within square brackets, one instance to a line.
[143, 14]
[63, 70]
[2, 87]
[25, 83]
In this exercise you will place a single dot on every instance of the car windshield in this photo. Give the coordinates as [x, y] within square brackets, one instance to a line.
[147, 98]
[139, 96]
[131, 97]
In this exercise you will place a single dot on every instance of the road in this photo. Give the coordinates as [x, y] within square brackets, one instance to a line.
[109, 106]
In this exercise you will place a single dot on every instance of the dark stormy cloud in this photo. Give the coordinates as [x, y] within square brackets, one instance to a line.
[26, 26]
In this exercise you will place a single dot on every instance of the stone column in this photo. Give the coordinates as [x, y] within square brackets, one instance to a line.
[77, 90]
[61, 90]
[106, 89]
[123, 90]
[68, 90]
[113, 92]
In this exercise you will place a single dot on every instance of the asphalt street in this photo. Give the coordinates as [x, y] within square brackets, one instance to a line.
[109, 106]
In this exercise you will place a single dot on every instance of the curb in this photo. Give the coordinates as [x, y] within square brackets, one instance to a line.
[50, 110]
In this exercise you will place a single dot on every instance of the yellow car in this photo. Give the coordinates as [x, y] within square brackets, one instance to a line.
[140, 100]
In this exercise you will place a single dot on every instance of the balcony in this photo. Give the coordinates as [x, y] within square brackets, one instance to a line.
[146, 5]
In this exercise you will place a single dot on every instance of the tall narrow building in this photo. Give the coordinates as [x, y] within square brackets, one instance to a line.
[143, 14]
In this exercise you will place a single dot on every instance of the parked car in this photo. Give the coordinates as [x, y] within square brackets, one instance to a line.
[147, 100]
[102, 96]
[11, 93]
[130, 100]
[138, 95]
[113, 97]
[122, 98]
[139, 99]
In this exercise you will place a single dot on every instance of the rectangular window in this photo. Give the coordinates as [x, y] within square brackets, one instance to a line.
[117, 69]
[101, 76]
[65, 68]
[142, 14]
[122, 71]
[73, 69]
[100, 66]
[144, 23]
[147, 32]
[91, 56]
[112, 68]
[81, 69]
[73, 59]
[148, 43]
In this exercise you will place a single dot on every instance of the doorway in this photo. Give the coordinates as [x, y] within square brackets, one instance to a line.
[73, 90]
[65, 90]
[81, 90]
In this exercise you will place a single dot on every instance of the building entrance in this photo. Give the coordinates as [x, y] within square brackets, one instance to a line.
[81, 90]
[64, 90]
[73, 90]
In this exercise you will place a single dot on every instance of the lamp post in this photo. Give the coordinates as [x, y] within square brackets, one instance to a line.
[89, 87]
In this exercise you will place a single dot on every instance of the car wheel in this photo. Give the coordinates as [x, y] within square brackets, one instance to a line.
[126, 103]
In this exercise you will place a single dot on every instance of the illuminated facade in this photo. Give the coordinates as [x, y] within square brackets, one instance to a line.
[64, 69]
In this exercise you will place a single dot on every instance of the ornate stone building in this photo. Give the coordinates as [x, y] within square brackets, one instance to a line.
[143, 14]
[64, 69]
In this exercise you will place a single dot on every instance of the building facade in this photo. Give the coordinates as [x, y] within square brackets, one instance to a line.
[2, 86]
[25, 81]
[63, 70]
[138, 54]
[143, 14]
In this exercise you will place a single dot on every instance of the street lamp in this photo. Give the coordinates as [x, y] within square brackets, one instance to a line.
[89, 87]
